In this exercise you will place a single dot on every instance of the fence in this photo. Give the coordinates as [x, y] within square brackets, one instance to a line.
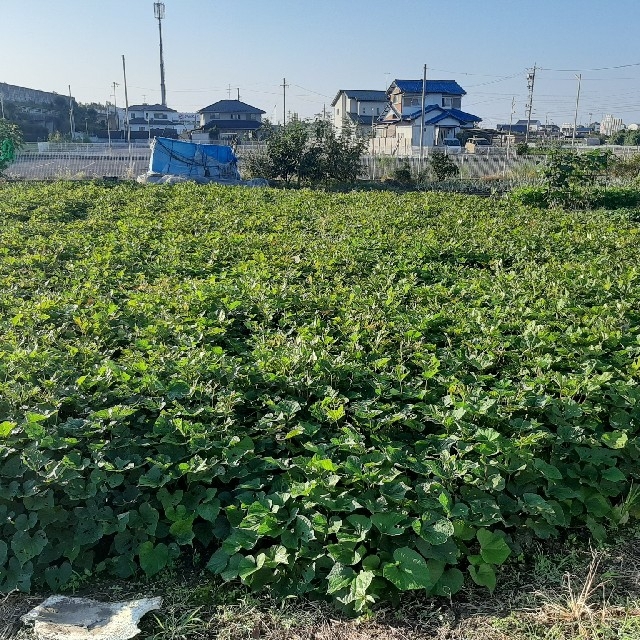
[470, 166]
[126, 164]
[77, 161]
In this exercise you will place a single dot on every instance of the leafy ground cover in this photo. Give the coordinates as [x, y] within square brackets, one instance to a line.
[336, 395]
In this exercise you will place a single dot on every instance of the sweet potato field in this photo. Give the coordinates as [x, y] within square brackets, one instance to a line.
[335, 395]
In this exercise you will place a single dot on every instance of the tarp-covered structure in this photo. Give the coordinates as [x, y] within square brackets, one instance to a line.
[192, 160]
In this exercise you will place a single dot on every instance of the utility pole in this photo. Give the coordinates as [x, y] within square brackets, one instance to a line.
[108, 126]
[284, 86]
[229, 92]
[424, 93]
[513, 108]
[72, 127]
[531, 79]
[2, 104]
[127, 126]
[238, 94]
[158, 12]
[575, 117]
[115, 106]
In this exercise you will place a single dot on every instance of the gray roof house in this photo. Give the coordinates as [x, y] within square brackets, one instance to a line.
[359, 107]
[230, 119]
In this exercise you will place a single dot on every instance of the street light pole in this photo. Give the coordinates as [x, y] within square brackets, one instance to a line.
[575, 117]
[158, 12]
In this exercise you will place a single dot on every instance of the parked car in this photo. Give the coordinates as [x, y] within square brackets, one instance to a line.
[452, 145]
[477, 145]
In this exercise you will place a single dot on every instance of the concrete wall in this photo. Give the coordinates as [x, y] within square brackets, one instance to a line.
[22, 95]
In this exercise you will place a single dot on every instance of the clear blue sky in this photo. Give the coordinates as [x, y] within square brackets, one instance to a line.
[323, 46]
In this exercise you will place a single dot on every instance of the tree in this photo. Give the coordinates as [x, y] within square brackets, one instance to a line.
[309, 152]
[10, 141]
[442, 166]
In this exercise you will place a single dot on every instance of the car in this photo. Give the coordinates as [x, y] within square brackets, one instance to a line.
[452, 145]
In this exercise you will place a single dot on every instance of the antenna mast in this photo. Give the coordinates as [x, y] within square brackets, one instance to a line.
[158, 12]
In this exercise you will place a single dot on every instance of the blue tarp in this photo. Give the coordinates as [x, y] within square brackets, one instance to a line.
[182, 158]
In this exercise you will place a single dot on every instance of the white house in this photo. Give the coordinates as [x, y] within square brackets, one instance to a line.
[153, 120]
[442, 118]
[359, 107]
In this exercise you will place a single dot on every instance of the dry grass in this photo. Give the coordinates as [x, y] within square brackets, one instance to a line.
[562, 593]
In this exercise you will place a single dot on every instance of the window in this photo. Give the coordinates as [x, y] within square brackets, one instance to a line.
[338, 111]
[142, 129]
[378, 111]
[160, 116]
[447, 102]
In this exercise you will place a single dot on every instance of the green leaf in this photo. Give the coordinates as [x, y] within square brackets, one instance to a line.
[218, 561]
[153, 559]
[6, 428]
[484, 575]
[615, 439]
[57, 577]
[409, 572]
[451, 581]
[434, 531]
[182, 531]
[26, 547]
[613, 475]
[549, 471]
[209, 510]
[387, 523]
[493, 548]
[240, 539]
[340, 577]
[3, 552]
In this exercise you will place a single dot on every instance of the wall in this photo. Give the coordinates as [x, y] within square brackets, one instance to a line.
[22, 95]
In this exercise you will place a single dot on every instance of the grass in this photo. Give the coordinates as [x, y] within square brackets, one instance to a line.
[566, 591]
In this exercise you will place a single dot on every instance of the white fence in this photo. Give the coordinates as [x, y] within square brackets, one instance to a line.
[470, 166]
[77, 165]
[81, 161]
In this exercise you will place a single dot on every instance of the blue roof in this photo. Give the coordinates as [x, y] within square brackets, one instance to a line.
[460, 116]
[363, 95]
[230, 106]
[450, 87]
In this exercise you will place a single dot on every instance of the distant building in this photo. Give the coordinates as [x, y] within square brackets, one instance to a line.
[151, 120]
[403, 118]
[228, 120]
[611, 125]
[359, 107]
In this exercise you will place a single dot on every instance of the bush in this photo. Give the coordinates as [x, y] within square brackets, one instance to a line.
[578, 197]
[442, 166]
[309, 153]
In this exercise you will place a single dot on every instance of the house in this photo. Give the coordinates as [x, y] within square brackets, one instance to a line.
[228, 120]
[151, 120]
[359, 107]
[442, 119]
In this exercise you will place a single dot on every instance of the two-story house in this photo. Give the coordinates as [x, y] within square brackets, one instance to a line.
[228, 120]
[358, 107]
[151, 120]
[442, 118]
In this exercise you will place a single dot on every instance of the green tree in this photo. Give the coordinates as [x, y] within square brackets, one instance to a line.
[309, 153]
[442, 166]
[10, 141]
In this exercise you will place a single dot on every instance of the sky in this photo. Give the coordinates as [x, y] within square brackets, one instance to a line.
[212, 48]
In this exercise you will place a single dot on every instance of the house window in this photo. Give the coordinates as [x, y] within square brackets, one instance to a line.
[160, 116]
[337, 112]
[378, 111]
[447, 102]
[141, 129]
